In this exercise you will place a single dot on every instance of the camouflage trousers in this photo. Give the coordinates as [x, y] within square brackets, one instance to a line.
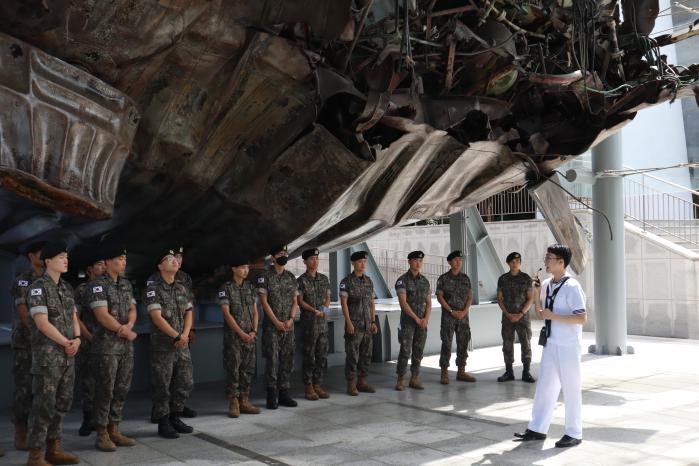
[172, 377]
[112, 373]
[87, 381]
[524, 332]
[278, 350]
[463, 338]
[315, 351]
[412, 344]
[22, 370]
[52, 387]
[358, 349]
[239, 361]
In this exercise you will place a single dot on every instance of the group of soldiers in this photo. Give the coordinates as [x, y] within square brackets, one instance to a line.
[95, 322]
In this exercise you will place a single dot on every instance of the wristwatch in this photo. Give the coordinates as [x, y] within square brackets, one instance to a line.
[178, 338]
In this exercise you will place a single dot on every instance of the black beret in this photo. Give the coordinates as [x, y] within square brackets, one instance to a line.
[92, 256]
[358, 255]
[238, 261]
[277, 249]
[416, 255]
[53, 248]
[310, 253]
[33, 247]
[110, 251]
[512, 256]
[163, 254]
[454, 254]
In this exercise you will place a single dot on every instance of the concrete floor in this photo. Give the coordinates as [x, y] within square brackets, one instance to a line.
[641, 409]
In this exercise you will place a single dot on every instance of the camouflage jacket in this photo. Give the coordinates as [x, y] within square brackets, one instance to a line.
[454, 289]
[240, 300]
[314, 291]
[359, 292]
[281, 290]
[416, 289]
[181, 276]
[514, 289]
[173, 301]
[21, 335]
[117, 297]
[84, 311]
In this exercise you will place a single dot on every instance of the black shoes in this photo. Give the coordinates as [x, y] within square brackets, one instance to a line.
[568, 441]
[165, 428]
[286, 400]
[178, 425]
[272, 399]
[86, 427]
[527, 377]
[507, 376]
[188, 413]
[528, 435]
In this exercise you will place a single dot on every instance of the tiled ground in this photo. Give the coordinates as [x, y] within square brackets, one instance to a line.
[641, 409]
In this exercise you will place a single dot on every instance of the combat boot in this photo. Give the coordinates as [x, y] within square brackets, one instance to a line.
[56, 455]
[352, 388]
[508, 375]
[178, 425]
[36, 458]
[286, 400]
[86, 427]
[444, 379]
[165, 429]
[233, 407]
[363, 386]
[188, 412]
[245, 406]
[103, 442]
[21, 437]
[464, 376]
[119, 439]
[415, 382]
[319, 390]
[400, 383]
[272, 402]
[526, 375]
[310, 392]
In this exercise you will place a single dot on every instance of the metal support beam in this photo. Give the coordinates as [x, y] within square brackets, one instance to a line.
[608, 251]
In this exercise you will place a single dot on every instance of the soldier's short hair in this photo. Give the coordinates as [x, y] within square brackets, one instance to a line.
[562, 251]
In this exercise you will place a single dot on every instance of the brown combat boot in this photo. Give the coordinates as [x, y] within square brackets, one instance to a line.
[444, 380]
[233, 407]
[463, 376]
[352, 388]
[245, 406]
[103, 442]
[36, 458]
[21, 437]
[56, 455]
[119, 439]
[400, 383]
[319, 390]
[363, 386]
[310, 392]
[415, 382]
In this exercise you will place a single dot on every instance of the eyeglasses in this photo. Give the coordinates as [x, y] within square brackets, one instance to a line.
[550, 258]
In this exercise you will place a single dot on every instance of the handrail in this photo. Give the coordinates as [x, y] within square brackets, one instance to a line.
[657, 178]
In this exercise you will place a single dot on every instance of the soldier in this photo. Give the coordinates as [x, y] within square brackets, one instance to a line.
[314, 295]
[55, 335]
[278, 289]
[88, 326]
[237, 300]
[414, 296]
[170, 310]
[111, 299]
[21, 345]
[358, 307]
[454, 294]
[515, 298]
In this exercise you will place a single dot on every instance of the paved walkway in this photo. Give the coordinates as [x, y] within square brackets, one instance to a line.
[641, 409]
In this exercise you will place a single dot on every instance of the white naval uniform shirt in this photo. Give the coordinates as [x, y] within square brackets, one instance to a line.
[570, 300]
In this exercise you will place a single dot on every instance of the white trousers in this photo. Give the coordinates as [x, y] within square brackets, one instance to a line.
[560, 369]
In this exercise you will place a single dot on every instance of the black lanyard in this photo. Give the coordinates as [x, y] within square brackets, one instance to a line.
[550, 298]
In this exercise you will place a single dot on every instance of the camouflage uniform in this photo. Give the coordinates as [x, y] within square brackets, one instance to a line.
[87, 381]
[514, 290]
[53, 372]
[181, 276]
[411, 337]
[454, 289]
[314, 291]
[21, 345]
[278, 347]
[170, 368]
[238, 357]
[359, 292]
[112, 356]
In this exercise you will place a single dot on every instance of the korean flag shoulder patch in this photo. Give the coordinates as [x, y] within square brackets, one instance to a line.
[96, 289]
[150, 294]
[36, 292]
[399, 282]
[22, 283]
[343, 286]
[261, 280]
[222, 294]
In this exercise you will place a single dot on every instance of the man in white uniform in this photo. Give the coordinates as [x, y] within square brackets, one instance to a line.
[564, 310]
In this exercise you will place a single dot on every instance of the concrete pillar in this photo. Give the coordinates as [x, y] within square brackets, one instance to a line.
[459, 240]
[608, 252]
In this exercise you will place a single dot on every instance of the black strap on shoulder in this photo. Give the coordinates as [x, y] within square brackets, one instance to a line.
[550, 298]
